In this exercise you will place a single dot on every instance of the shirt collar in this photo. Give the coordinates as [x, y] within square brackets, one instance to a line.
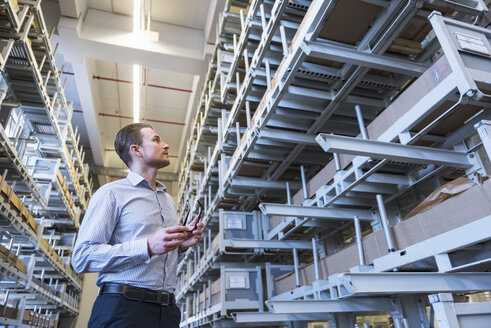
[136, 179]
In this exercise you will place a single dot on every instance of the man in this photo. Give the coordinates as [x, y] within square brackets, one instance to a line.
[130, 235]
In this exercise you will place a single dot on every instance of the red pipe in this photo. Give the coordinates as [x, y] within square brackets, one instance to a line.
[149, 120]
[97, 77]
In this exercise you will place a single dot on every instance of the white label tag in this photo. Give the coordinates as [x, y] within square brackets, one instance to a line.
[237, 282]
[234, 223]
[472, 43]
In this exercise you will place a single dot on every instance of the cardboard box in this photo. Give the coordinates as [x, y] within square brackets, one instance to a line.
[404, 102]
[4, 250]
[215, 292]
[15, 202]
[201, 298]
[457, 211]
[44, 245]
[32, 223]
[339, 27]
[21, 266]
[6, 190]
[8, 312]
[27, 319]
[214, 242]
[25, 213]
[59, 176]
[12, 259]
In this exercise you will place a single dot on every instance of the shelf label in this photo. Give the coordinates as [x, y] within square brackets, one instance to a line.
[472, 43]
[235, 223]
[237, 282]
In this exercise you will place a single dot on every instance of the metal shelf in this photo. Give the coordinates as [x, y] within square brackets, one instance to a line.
[270, 91]
[25, 228]
[43, 165]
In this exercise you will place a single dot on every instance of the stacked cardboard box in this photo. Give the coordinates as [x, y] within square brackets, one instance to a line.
[457, 211]
[37, 320]
[71, 168]
[214, 242]
[8, 311]
[30, 317]
[16, 205]
[400, 106]
[12, 259]
[202, 298]
[215, 292]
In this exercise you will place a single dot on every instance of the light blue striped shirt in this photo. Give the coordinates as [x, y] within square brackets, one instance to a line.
[112, 239]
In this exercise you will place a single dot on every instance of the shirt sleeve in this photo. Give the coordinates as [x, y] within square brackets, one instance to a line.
[92, 251]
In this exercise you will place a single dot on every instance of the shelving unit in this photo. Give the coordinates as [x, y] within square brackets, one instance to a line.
[44, 182]
[335, 119]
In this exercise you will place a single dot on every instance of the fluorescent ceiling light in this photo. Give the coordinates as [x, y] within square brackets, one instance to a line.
[136, 93]
[136, 15]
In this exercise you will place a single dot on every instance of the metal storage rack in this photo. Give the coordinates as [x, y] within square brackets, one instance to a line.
[44, 183]
[331, 133]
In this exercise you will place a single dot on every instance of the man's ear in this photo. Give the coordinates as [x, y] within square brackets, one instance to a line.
[135, 150]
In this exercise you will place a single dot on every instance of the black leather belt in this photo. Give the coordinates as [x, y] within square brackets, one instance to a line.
[137, 294]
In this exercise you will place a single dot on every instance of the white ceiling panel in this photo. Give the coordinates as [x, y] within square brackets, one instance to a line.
[189, 13]
[168, 87]
[166, 98]
[105, 68]
[123, 7]
[106, 5]
[169, 79]
[164, 113]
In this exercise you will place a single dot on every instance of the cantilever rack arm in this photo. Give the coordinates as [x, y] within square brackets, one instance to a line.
[392, 151]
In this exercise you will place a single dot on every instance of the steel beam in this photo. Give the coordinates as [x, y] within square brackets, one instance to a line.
[484, 129]
[391, 283]
[392, 151]
[286, 136]
[260, 183]
[353, 56]
[314, 212]
[277, 244]
[255, 317]
[330, 306]
[470, 234]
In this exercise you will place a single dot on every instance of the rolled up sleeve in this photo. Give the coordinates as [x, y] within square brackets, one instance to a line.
[93, 251]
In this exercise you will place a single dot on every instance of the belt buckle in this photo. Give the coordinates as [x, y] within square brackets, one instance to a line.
[159, 298]
[164, 298]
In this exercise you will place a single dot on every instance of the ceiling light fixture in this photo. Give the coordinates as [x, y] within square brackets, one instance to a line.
[142, 18]
[136, 93]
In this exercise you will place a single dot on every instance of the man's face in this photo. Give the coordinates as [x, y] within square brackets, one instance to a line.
[154, 151]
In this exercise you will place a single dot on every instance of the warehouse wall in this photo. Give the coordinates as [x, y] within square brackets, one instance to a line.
[88, 296]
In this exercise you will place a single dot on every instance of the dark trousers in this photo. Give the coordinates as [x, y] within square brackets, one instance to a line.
[116, 311]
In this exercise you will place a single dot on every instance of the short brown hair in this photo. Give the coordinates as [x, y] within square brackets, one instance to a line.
[127, 136]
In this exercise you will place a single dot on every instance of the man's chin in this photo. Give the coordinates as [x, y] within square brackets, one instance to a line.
[164, 163]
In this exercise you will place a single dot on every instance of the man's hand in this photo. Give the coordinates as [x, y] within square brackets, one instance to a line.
[193, 236]
[167, 239]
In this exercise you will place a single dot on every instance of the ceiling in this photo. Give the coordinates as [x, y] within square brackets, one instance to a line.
[97, 51]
